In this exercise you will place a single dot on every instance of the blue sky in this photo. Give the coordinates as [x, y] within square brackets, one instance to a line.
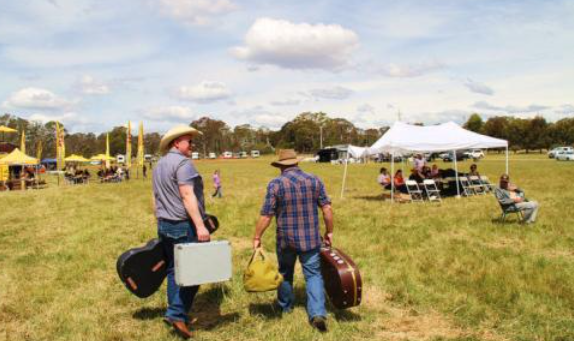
[94, 64]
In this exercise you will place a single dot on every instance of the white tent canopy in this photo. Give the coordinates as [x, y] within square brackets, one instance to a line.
[357, 152]
[405, 138]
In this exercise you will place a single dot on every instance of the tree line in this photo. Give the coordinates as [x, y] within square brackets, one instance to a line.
[306, 133]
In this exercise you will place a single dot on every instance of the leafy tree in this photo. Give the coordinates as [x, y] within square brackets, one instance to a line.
[474, 123]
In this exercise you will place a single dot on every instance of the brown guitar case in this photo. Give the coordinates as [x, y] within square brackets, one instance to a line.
[342, 279]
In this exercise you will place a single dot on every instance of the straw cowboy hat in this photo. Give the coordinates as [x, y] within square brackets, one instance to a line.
[287, 157]
[174, 133]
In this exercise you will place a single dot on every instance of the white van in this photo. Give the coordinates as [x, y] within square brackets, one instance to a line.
[255, 153]
[212, 156]
[195, 156]
[227, 155]
[120, 158]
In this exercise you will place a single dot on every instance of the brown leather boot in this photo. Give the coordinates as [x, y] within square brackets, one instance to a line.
[179, 327]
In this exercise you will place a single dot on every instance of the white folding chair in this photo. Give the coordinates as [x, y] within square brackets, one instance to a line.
[414, 191]
[432, 190]
[468, 191]
[486, 183]
[476, 185]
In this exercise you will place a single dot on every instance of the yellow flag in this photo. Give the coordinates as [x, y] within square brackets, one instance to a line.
[39, 150]
[140, 146]
[129, 146]
[59, 158]
[23, 142]
[62, 143]
[107, 150]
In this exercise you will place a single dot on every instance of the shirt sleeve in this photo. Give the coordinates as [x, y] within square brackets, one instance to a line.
[323, 198]
[186, 173]
[270, 203]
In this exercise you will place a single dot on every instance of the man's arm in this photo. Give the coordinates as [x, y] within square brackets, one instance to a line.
[192, 208]
[262, 225]
[328, 219]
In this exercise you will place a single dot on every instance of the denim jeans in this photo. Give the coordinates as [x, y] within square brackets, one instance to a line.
[311, 264]
[179, 298]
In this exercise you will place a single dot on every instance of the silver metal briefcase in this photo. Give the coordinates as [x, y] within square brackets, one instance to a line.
[202, 263]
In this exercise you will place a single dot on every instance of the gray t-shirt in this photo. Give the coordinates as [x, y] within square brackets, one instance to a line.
[172, 170]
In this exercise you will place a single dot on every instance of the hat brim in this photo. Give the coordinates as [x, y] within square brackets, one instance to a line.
[289, 162]
[166, 140]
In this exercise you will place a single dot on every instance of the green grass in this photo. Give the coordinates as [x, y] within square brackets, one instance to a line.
[431, 271]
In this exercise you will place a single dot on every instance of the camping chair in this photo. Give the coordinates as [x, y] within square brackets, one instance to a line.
[432, 190]
[414, 191]
[476, 185]
[486, 183]
[507, 205]
[468, 190]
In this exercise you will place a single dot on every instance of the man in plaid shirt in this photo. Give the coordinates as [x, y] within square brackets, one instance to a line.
[293, 198]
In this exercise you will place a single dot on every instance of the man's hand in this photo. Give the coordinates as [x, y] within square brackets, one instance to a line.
[256, 243]
[328, 239]
[203, 234]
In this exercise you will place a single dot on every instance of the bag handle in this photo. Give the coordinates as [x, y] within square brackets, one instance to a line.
[258, 252]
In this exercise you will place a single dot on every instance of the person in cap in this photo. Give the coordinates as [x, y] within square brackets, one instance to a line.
[294, 198]
[179, 209]
[511, 192]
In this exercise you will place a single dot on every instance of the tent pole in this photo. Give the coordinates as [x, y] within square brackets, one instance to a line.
[392, 177]
[344, 176]
[456, 175]
[507, 159]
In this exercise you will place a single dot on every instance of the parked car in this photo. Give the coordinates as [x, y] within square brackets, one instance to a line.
[227, 155]
[553, 152]
[474, 154]
[255, 153]
[120, 158]
[460, 156]
[195, 156]
[212, 156]
[242, 155]
[565, 156]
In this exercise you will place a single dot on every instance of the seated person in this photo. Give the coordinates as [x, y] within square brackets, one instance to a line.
[86, 174]
[384, 179]
[416, 176]
[435, 172]
[528, 208]
[473, 170]
[426, 173]
[399, 182]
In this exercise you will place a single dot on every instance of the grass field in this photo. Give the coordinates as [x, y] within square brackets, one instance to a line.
[431, 271]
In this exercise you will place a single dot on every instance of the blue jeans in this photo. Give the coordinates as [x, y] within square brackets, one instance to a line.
[311, 263]
[179, 298]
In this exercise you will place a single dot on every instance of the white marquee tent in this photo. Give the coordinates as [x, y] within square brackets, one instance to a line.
[406, 138]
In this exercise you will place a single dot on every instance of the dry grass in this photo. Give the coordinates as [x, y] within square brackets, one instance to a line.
[431, 272]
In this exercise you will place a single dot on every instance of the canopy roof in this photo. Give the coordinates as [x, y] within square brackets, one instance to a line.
[5, 129]
[76, 158]
[18, 158]
[404, 138]
[357, 152]
[101, 157]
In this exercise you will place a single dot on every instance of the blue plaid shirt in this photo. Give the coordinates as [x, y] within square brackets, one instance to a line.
[293, 198]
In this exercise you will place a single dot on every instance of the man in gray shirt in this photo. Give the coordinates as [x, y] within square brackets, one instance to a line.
[179, 209]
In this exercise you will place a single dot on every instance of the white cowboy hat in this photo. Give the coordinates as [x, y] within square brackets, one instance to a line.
[174, 133]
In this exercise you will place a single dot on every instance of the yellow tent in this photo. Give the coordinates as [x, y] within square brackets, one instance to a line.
[100, 157]
[76, 158]
[18, 158]
[4, 129]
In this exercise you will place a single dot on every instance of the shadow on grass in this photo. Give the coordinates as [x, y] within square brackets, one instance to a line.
[148, 313]
[378, 197]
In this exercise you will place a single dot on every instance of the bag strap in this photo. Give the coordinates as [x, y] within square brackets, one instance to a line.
[258, 252]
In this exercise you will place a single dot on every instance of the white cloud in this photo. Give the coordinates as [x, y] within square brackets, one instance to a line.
[269, 120]
[68, 117]
[195, 12]
[366, 108]
[169, 113]
[90, 86]
[297, 46]
[36, 98]
[511, 109]
[204, 92]
[479, 88]
[410, 70]
[286, 102]
[336, 92]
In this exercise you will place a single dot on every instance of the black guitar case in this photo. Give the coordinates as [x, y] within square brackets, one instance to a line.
[143, 269]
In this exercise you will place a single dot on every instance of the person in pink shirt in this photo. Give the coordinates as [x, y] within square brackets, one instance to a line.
[217, 184]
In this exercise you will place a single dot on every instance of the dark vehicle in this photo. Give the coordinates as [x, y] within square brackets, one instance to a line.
[449, 157]
[328, 154]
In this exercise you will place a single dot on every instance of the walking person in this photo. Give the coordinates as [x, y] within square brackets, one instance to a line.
[217, 184]
[293, 198]
[179, 205]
